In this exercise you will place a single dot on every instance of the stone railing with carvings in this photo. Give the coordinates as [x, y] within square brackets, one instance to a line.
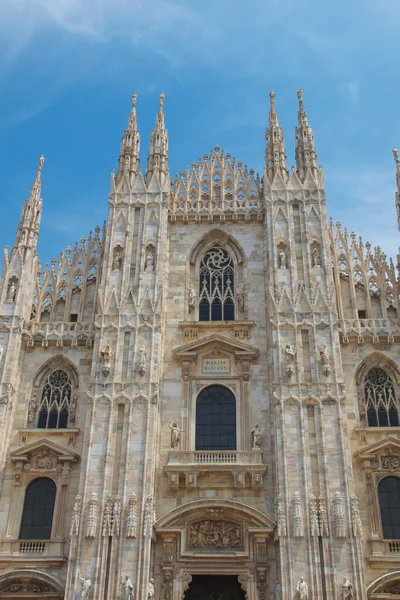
[380, 330]
[32, 550]
[384, 551]
[58, 333]
[246, 467]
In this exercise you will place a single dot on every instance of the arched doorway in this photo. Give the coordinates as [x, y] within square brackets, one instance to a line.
[215, 587]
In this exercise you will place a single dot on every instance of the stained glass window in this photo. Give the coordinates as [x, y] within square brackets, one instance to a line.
[55, 401]
[380, 399]
[216, 291]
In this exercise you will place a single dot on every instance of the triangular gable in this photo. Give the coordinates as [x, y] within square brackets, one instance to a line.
[23, 452]
[388, 444]
[239, 349]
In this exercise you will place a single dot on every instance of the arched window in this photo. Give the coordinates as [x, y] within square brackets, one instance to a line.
[216, 286]
[37, 516]
[216, 419]
[380, 399]
[55, 400]
[389, 501]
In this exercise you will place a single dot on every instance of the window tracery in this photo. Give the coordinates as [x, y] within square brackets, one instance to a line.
[380, 399]
[55, 401]
[216, 286]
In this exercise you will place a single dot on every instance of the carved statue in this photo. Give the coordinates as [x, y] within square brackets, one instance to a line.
[117, 260]
[175, 434]
[278, 592]
[282, 259]
[86, 587]
[302, 589]
[290, 353]
[1, 354]
[127, 588]
[44, 460]
[325, 359]
[323, 518]
[107, 519]
[116, 516]
[315, 258]
[240, 298]
[150, 590]
[355, 518]
[32, 408]
[142, 360]
[192, 298]
[72, 408]
[149, 267]
[12, 289]
[347, 589]
[314, 522]
[76, 517]
[105, 357]
[256, 434]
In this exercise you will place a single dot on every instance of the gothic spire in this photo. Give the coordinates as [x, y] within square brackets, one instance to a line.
[397, 161]
[129, 156]
[28, 227]
[275, 155]
[306, 156]
[157, 162]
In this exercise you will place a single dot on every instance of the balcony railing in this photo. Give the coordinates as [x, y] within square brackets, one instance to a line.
[378, 329]
[384, 551]
[46, 551]
[183, 467]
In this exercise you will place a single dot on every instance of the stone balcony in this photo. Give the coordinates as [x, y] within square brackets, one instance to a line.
[384, 552]
[379, 331]
[246, 467]
[35, 551]
[58, 334]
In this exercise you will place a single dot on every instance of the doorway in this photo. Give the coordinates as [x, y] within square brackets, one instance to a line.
[215, 587]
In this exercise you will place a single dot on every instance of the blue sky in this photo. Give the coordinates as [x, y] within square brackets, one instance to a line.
[68, 69]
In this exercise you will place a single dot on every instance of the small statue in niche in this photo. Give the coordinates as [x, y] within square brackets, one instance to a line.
[12, 290]
[86, 587]
[315, 257]
[256, 434]
[142, 360]
[149, 263]
[240, 298]
[192, 298]
[302, 589]
[72, 408]
[150, 590]
[347, 589]
[175, 434]
[117, 260]
[105, 358]
[32, 408]
[282, 259]
[289, 354]
[325, 359]
[127, 588]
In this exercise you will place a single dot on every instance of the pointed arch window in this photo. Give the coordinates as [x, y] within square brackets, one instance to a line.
[216, 286]
[380, 399]
[389, 502]
[55, 400]
[37, 514]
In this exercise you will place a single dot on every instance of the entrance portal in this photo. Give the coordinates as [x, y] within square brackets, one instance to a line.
[215, 587]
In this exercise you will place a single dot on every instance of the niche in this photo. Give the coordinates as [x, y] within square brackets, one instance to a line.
[282, 254]
[118, 253]
[149, 258]
[315, 254]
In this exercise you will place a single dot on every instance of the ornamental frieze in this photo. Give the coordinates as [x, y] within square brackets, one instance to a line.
[211, 534]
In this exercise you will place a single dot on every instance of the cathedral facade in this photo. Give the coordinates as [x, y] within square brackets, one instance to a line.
[201, 399]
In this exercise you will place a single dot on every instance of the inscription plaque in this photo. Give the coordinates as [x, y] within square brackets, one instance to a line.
[216, 365]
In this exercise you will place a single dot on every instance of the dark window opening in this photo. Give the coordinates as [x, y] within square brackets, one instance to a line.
[216, 419]
[37, 515]
[73, 317]
[362, 314]
[380, 399]
[389, 502]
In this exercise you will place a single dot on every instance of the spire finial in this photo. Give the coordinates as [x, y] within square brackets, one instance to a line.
[134, 99]
[275, 154]
[306, 157]
[396, 155]
[157, 161]
[162, 98]
[37, 183]
[129, 155]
